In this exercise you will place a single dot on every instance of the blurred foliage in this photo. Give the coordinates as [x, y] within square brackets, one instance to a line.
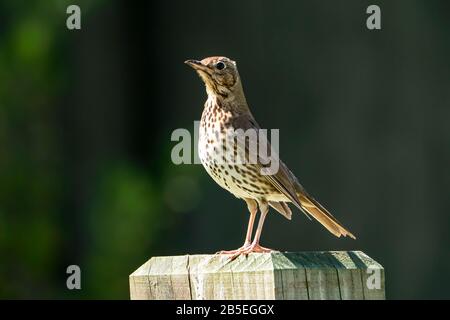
[29, 154]
[120, 221]
[123, 221]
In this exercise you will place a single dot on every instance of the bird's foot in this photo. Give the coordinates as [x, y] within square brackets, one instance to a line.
[254, 247]
[245, 245]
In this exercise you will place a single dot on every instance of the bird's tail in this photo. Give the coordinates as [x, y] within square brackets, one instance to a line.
[318, 212]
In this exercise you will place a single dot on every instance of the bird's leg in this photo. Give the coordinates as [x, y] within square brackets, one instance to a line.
[254, 246]
[253, 209]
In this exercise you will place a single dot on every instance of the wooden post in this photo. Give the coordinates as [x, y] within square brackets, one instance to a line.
[303, 275]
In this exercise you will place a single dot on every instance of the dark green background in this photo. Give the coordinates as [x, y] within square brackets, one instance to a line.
[86, 118]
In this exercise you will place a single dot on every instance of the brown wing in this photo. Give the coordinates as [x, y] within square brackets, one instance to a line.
[282, 208]
[287, 184]
[315, 209]
[282, 179]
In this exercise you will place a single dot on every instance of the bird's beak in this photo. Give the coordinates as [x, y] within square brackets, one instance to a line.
[197, 65]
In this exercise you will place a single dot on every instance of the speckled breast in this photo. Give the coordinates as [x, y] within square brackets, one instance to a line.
[217, 152]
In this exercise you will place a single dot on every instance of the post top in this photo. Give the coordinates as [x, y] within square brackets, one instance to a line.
[218, 263]
[276, 275]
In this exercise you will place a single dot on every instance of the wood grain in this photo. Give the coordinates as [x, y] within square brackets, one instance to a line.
[331, 275]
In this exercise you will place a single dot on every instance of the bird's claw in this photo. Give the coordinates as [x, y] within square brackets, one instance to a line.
[246, 250]
[245, 245]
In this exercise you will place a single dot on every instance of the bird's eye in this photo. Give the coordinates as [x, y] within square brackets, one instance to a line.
[220, 65]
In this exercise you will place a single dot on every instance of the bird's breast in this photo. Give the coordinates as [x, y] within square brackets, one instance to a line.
[218, 152]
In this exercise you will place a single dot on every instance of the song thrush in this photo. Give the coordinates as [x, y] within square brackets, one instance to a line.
[225, 111]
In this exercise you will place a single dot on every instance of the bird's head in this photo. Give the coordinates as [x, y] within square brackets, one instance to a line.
[219, 74]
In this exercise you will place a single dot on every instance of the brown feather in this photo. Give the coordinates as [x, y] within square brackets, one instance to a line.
[282, 208]
[283, 180]
[318, 212]
[287, 184]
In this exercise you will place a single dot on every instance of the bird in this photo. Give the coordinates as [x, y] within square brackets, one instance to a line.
[226, 110]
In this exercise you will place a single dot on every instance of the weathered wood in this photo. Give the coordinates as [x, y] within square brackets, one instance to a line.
[345, 275]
